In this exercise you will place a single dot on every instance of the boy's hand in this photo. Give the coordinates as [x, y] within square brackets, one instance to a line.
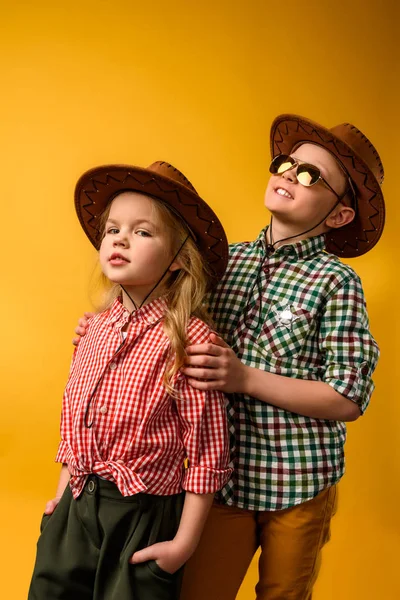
[170, 556]
[82, 326]
[215, 366]
[51, 506]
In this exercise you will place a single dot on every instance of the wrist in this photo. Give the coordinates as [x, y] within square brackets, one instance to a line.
[185, 546]
[246, 381]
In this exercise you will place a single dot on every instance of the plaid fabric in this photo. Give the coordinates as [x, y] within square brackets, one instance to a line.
[298, 313]
[140, 435]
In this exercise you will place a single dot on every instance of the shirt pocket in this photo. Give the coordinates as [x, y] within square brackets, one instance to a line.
[285, 330]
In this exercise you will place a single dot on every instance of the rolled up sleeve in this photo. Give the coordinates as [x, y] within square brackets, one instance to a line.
[205, 436]
[350, 352]
[64, 450]
[62, 453]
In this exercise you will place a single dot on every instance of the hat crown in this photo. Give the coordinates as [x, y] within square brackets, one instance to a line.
[362, 147]
[167, 170]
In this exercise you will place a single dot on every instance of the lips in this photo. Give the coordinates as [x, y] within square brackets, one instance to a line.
[117, 258]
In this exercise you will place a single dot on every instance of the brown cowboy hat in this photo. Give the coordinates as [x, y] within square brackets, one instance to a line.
[359, 159]
[98, 186]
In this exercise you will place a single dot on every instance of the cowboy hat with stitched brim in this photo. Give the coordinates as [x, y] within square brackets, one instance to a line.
[97, 187]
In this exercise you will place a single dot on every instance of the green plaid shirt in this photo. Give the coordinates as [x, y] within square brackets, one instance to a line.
[298, 313]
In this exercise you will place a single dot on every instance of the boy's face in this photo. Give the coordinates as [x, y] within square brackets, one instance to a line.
[298, 206]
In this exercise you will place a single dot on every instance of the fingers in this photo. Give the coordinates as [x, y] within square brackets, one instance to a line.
[143, 555]
[198, 373]
[218, 341]
[210, 349]
[81, 329]
[207, 385]
[50, 506]
[204, 360]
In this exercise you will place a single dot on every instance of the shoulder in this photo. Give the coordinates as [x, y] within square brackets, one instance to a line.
[95, 328]
[98, 319]
[240, 248]
[198, 332]
[336, 273]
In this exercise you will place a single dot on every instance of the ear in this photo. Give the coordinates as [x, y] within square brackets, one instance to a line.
[176, 265]
[341, 216]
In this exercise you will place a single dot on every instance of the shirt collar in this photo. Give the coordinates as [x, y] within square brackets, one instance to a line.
[149, 313]
[302, 250]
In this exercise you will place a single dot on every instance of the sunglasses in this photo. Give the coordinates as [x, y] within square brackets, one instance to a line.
[306, 174]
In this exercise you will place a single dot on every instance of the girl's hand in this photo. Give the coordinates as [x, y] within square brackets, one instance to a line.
[170, 556]
[82, 326]
[51, 506]
[215, 366]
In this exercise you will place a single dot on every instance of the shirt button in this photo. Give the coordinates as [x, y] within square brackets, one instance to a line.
[103, 409]
[113, 366]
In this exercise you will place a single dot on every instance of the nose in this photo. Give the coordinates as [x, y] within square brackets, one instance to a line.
[120, 240]
[290, 174]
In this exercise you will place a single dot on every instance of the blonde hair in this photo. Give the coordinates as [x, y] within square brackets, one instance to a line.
[184, 290]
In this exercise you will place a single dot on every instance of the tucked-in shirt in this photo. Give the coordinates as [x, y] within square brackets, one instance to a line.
[119, 421]
[299, 313]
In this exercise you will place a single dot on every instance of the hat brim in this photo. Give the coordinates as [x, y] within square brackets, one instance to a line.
[98, 186]
[364, 231]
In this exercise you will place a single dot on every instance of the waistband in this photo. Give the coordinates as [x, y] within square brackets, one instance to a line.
[107, 489]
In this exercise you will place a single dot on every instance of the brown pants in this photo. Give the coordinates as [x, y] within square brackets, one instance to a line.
[291, 541]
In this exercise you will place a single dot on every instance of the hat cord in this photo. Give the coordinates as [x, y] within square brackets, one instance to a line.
[89, 423]
[158, 282]
[270, 249]
[272, 244]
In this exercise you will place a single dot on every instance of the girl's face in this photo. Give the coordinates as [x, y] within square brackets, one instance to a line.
[136, 248]
[298, 206]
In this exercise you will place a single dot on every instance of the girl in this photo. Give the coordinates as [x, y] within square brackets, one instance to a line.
[119, 526]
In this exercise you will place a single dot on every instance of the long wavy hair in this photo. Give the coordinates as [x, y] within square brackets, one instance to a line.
[184, 289]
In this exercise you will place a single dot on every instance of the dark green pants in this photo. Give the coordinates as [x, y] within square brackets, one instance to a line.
[85, 545]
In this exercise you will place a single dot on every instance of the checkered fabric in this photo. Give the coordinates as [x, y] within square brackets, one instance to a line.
[298, 313]
[119, 422]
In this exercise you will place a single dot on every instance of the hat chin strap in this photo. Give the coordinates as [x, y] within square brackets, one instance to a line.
[271, 246]
[136, 307]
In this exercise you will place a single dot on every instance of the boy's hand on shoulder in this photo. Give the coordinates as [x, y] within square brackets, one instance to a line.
[169, 556]
[215, 366]
[82, 327]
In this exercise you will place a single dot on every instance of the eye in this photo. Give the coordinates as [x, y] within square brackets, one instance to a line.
[143, 233]
[113, 230]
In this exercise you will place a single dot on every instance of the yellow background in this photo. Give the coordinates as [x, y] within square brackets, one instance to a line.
[196, 84]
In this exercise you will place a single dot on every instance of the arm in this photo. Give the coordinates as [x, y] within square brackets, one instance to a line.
[62, 484]
[173, 554]
[350, 356]
[204, 432]
[315, 399]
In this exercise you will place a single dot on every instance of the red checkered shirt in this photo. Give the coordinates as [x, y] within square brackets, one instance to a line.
[140, 435]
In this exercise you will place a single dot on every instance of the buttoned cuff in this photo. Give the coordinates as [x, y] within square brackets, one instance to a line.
[354, 383]
[203, 480]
